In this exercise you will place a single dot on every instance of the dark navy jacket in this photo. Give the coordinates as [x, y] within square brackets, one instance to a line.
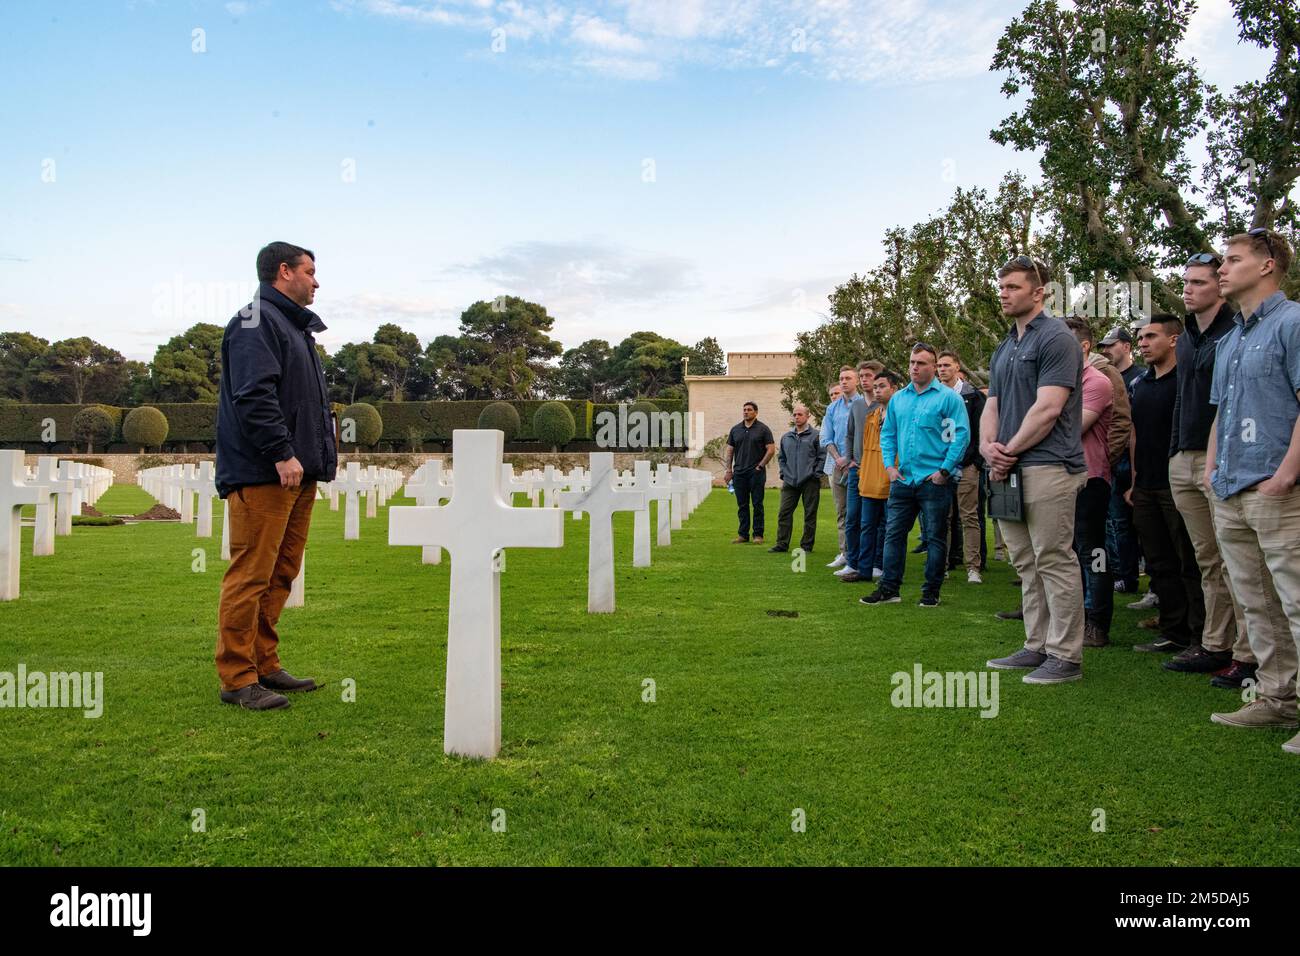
[273, 404]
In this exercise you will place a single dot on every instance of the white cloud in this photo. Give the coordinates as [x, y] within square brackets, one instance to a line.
[881, 42]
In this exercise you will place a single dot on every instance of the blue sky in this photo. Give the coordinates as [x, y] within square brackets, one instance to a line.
[692, 167]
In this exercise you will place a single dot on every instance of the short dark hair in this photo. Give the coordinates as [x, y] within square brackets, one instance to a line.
[1081, 329]
[949, 353]
[274, 253]
[1172, 324]
[889, 375]
[1030, 267]
[925, 347]
[753, 405]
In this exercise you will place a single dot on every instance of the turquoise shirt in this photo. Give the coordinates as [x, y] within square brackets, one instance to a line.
[927, 430]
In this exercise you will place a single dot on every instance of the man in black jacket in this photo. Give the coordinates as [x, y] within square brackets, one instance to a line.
[275, 440]
[966, 518]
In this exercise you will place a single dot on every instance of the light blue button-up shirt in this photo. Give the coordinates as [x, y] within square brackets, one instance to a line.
[835, 428]
[927, 430]
[1256, 377]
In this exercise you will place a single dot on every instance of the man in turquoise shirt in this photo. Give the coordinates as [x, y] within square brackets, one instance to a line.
[928, 430]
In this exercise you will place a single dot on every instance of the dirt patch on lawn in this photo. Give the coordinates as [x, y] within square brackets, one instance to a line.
[90, 511]
[158, 513]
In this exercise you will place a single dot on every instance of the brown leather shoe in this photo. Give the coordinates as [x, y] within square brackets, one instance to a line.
[283, 680]
[758, 539]
[1150, 623]
[850, 577]
[254, 697]
[1093, 636]
[740, 540]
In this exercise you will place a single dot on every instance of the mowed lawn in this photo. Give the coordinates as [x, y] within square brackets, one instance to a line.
[756, 716]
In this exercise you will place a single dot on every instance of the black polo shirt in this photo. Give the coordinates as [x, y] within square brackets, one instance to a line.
[1193, 413]
[1047, 354]
[750, 444]
[1152, 399]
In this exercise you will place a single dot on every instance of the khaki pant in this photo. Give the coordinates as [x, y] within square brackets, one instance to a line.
[839, 494]
[1042, 552]
[1225, 625]
[268, 533]
[1259, 537]
[968, 509]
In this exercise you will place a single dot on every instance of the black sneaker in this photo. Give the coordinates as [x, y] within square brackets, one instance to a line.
[1234, 677]
[1197, 660]
[880, 596]
[777, 549]
[921, 549]
[1161, 645]
[928, 600]
[1017, 615]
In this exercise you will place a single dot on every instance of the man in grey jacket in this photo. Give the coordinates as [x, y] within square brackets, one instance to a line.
[801, 460]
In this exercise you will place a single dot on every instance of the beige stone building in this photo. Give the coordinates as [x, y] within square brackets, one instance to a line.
[716, 400]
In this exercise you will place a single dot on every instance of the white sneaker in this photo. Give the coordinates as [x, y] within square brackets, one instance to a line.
[973, 576]
[846, 570]
[877, 573]
[838, 562]
[1148, 601]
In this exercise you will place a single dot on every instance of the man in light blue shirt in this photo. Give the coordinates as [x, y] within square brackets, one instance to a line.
[833, 434]
[928, 430]
[1252, 463]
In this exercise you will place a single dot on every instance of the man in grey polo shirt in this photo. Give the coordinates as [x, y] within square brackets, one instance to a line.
[1031, 429]
[1253, 464]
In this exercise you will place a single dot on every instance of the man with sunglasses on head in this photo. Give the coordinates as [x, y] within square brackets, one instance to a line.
[1031, 430]
[1253, 463]
[1223, 649]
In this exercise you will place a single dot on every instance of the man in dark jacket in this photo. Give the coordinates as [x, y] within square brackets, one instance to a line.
[801, 459]
[275, 440]
[966, 520]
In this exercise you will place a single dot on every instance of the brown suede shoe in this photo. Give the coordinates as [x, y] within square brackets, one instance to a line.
[1094, 636]
[283, 680]
[758, 539]
[1150, 623]
[254, 697]
[740, 541]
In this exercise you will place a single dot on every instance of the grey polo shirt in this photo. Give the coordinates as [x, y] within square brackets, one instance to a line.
[1256, 376]
[1048, 354]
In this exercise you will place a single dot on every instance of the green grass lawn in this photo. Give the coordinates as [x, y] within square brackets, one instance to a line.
[756, 716]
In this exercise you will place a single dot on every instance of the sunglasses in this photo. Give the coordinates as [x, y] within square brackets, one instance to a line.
[1205, 259]
[1259, 232]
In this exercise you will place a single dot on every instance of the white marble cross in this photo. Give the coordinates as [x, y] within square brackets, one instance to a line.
[643, 480]
[510, 485]
[428, 491]
[69, 500]
[550, 484]
[298, 590]
[206, 487]
[663, 485]
[14, 493]
[47, 476]
[600, 501]
[225, 529]
[677, 485]
[352, 483]
[474, 526]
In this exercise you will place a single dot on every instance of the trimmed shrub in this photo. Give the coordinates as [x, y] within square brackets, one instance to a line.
[190, 421]
[363, 421]
[93, 425]
[436, 420]
[145, 426]
[643, 405]
[501, 416]
[553, 425]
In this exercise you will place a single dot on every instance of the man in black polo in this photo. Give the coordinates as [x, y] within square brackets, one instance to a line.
[1224, 648]
[1171, 562]
[750, 446]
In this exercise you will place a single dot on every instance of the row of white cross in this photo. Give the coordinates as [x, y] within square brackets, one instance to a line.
[479, 522]
[58, 489]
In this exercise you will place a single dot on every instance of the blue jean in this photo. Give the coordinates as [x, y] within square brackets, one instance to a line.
[852, 521]
[1121, 539]
[905, 503]
[1090, 545]
[871, 515]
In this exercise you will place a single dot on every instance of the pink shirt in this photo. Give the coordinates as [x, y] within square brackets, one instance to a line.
[1097, 397]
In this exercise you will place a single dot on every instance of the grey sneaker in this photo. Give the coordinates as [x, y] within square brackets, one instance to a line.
[1258, 713]
[1021, 659]
[1055, 671]
[1292, 746]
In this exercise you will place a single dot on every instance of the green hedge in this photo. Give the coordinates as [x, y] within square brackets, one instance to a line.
[437, 420]
[22, 423]
[190, 421]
